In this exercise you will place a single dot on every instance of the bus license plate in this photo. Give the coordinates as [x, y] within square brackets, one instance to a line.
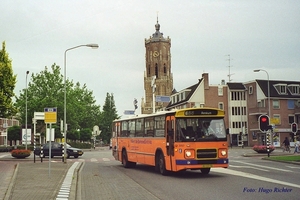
[206, 166]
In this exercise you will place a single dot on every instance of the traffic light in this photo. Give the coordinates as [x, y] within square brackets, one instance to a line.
[294, 127]
[264, 123]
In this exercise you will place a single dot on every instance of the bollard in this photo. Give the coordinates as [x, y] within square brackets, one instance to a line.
[63, 154]
[42, 154]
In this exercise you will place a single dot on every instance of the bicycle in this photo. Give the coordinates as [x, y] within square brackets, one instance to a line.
[286, 148]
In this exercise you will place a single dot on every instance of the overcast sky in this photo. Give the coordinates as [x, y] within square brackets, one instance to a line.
[257, 34]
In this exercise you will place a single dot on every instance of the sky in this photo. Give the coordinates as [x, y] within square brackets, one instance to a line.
[215, 37]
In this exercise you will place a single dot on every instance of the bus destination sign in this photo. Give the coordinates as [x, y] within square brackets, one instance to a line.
[200, 112]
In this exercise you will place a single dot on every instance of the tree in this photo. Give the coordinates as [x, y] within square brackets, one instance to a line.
[46, 89]
[7, 85]
[14, 134]
[109, 114]
[85, 134]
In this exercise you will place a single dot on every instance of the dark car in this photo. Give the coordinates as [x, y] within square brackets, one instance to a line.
[56, 150]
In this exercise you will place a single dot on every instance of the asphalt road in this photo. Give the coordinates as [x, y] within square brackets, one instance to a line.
[247, 177]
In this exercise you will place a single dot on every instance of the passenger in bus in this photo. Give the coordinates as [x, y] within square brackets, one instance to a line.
[207, 130]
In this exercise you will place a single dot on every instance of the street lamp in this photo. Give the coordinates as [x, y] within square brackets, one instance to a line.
[258, 70]
[269, 111]
[27, 72]
[93, 46]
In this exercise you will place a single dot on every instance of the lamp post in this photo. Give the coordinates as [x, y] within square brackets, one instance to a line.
[258, 70]
[27, 72]
[94, 46]
[269, 103]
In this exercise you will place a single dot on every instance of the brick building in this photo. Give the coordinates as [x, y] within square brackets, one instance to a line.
[243, 104]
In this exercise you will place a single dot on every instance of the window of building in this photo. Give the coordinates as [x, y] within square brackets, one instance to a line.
[165, 69]
[277, 119]
[291, 119]
[182, 95]
[281, 88]
[221, 105]
[250, 89]
[156, 70]
[276, 104]
[149, 70]
[291, 104]
[254, 135]
[237, 96]
[294, 89]
[220, 90]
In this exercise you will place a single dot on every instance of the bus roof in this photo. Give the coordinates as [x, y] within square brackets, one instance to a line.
[177, 112]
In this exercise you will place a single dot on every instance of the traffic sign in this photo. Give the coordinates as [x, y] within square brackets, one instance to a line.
[129, 112]
[165, 99]
[50, 115]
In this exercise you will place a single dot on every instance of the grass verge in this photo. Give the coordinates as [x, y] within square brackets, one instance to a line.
[294, 158]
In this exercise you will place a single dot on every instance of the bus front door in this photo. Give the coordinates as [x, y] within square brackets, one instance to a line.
[170, 126]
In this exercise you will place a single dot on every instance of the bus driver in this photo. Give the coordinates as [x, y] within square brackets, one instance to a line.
[206, 129]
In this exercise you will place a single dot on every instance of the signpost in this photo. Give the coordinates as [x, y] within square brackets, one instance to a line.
[164, 99]
[50, 118]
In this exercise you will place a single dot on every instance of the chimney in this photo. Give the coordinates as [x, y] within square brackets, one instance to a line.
[206, 82]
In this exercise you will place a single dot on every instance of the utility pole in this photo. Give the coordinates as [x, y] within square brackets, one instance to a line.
[229, 75]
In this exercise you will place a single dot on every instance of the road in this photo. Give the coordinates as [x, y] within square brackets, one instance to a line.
[248, 177]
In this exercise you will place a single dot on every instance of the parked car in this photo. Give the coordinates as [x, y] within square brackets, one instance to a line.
[56, 150]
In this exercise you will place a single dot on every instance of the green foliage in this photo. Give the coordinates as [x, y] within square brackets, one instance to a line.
[46, 89]
[295, 158]
[108, 115]
[80, 145]
[7, 85]
[14, 133]
[85, 134]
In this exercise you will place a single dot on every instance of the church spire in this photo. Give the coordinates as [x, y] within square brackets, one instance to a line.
[157, 26]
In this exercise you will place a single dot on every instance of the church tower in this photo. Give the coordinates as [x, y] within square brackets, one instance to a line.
[158, 79]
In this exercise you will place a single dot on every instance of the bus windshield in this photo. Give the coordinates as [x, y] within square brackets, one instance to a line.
[200, 129]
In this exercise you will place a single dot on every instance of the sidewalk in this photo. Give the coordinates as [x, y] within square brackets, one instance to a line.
[26, 180]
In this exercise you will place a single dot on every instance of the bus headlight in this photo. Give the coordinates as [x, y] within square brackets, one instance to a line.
[189, 153]
[222, 153]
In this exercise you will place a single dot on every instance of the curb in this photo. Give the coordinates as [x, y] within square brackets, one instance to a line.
[75, 188]
[78, 185]
[12, 183]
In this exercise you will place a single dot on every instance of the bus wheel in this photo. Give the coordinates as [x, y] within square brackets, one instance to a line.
[205, 170]
[162, 165]
[125, 160]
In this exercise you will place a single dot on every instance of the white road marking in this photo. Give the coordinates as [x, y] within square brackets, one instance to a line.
[261, 166]
[293, 167]
[94, 160]
[265, 170]
[253, 176]
[4, 155]
[65, 189]
[105, 159]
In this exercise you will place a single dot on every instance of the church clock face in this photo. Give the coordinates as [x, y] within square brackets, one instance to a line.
[155, 54]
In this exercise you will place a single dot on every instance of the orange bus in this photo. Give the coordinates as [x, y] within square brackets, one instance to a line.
[192, 138]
